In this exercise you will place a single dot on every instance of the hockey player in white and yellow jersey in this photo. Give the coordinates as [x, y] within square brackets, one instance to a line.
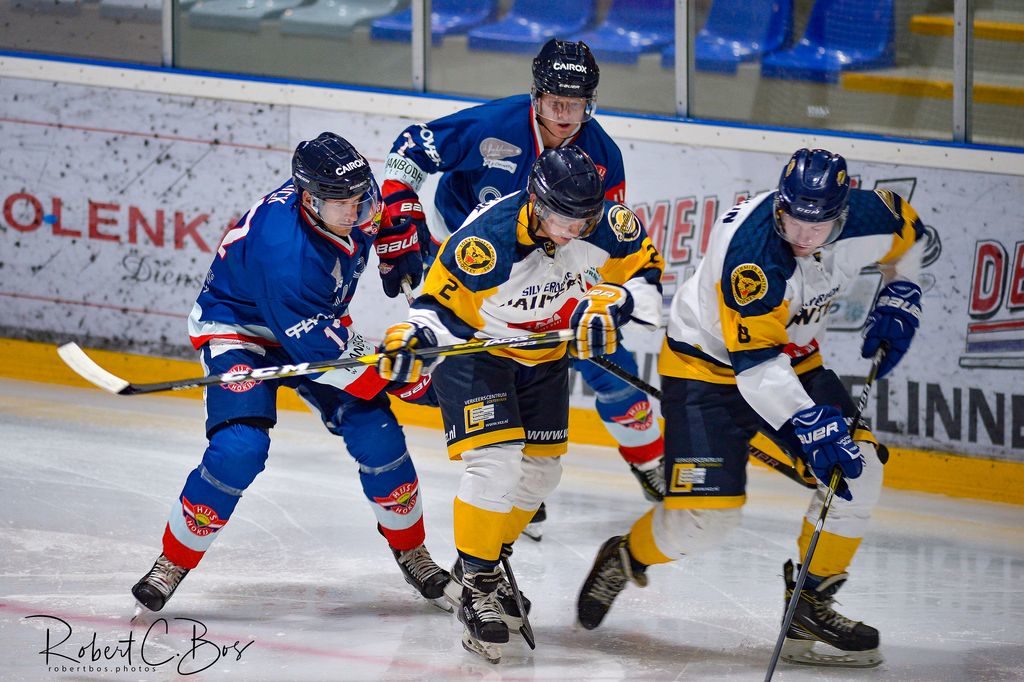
[557, 256]
[741, 355]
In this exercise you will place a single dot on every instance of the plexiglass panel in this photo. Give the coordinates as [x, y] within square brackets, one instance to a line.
[123, 30]
[872, 66]
[485, 48]
[998, 72]
[318, 40]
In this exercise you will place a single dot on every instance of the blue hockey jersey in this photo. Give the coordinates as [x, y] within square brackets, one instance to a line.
[486, 152]
[279, 280]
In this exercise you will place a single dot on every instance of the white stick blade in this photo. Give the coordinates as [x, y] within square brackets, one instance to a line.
[75, 358]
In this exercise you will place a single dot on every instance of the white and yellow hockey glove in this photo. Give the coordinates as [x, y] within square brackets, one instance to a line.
[597, 318]
[397, 361]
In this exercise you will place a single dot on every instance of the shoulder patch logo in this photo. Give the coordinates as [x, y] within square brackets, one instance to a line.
[748, 283]
[494, 151]
[624, 223]
[475, 256]
[889, 199]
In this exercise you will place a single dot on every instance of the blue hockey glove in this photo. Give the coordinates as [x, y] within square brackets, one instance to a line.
[397, 361]
[827, 444]
[398, 249]
[893, 321]
[597, 318]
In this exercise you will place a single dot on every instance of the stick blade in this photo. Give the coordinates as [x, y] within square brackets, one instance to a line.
[85, 367]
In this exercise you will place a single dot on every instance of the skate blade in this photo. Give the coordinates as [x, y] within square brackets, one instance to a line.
[443, 603]
[140, 614]
[488, 651]
[534, 532]
[801, 652]
[453, 595]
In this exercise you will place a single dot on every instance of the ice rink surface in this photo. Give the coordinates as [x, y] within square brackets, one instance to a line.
[87, 480]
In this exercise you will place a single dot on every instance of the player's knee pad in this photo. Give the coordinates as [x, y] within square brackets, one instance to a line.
[689, 531]
[540, 476]
[237, 453]
[850, 518]
[492, 474]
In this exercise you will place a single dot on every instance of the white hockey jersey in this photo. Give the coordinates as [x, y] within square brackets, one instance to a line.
[493, 280]
[753, 314]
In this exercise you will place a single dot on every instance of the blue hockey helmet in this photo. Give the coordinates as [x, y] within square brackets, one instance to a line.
[566, 183]
[567, 69]
[330, 168]
[814, 188]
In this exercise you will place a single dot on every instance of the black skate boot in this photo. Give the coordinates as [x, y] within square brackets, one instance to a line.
[478, 610]
[534, 530]
[652, 478]
[421, 572]
[815, 621]
[612, 569]
[507, 606]
[156, 587]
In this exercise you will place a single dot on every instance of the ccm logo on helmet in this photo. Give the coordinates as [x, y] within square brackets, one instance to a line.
[559, 66]
[358, 163]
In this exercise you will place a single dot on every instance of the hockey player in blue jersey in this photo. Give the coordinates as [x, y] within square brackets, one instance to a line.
[742, 355]
[278, 293]
[486, 152]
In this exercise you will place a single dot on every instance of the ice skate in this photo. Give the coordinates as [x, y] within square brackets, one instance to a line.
[534, 529]
[814, 620]
[651, 476]
[156, 587]
[421, 572]
[478, 611]
[507, 606]
[611, 571]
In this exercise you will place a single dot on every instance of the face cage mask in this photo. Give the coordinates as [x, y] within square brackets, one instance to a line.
[328, 213]
[555, 221]
[589, 107]
[837, 226]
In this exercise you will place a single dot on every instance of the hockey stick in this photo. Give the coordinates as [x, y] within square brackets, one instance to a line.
[837, 476]
[88, 369]
[526, 630]
[760, 455]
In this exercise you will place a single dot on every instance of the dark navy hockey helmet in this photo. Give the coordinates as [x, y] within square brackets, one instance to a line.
[330, 168]
[814, 188]
[567, 69]
[567, 185]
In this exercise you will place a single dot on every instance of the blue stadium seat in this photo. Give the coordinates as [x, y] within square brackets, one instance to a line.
[334, 18]
[232, 15]
[531, 23]
[841, 35]
[632, 28]
[447, 17]
[740, 31]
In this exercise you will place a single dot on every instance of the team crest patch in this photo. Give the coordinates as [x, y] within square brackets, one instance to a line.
[748, 283]
[200, 519]
[402, 499]
[624, 223]
[475, 256]
[240, 386]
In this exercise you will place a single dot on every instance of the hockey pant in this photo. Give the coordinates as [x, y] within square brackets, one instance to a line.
[625, 410]
[498, 494]
[239, 418]
[708, 428]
